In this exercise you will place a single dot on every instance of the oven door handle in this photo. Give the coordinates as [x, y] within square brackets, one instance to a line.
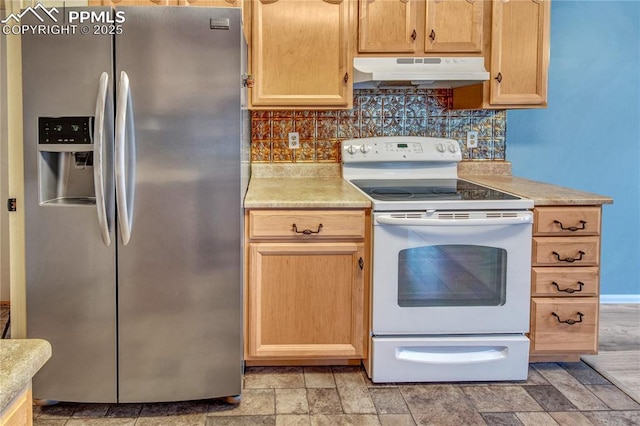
[519, 220]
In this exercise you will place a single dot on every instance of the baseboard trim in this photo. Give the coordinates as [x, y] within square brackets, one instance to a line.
[620, 298]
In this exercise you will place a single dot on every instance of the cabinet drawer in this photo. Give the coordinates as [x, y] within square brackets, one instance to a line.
[562, 282]
[566, 221]
[566, 251]
[564, 324]
[309, 225]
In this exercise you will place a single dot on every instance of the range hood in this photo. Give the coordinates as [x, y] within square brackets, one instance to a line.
[430, 72]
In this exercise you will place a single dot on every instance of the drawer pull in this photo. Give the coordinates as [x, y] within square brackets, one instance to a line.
[306, 231]
[568, 289]
[568, 321]
[572, 228]
[569, 259]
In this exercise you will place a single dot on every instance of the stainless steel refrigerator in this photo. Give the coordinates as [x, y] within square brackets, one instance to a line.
[136, 165]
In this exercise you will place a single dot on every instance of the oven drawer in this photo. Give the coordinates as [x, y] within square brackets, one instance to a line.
[449, 358]
[566, 251]
[562, 282]
[309, 225]
[564, 324]
[566, 221]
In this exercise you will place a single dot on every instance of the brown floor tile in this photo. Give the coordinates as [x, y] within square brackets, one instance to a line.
[273, 377]
[49, 422]
[291, 401]
[570, 387]
[349, 376]
[344, 420]
[536, 419]
[449, 415]
[573, 418]
[583, 373]
[614, 397]
[501, 398]
[124, 410]
[388, 401]
[440, 405]
[501, 419]
[324, 401]
[255, 402]
[91, 410]
[241, 421]
[396, 420]
[174, 420]
[550, 398]
[356, 400]
[58, 411]
[319, 377]
[293, 420]
[617, 418]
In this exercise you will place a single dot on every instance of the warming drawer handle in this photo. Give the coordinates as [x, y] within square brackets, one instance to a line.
[569, 259]
[569, 321]
[569, 289]
[306, 231]
[571, 228]
[520, 220]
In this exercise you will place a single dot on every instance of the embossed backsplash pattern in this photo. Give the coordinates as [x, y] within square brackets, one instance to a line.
[388, 112]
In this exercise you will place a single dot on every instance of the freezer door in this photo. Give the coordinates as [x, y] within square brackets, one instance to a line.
[179, 282]
[70, 271]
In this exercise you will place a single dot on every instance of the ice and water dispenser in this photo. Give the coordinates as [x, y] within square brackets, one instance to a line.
[65, 147]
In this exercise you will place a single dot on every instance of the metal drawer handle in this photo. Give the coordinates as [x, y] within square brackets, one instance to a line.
[306, 231]
[569, 289]
[571, 228]
[569, 259]
[568, 321]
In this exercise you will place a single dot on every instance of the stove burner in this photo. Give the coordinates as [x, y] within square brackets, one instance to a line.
[392, 193]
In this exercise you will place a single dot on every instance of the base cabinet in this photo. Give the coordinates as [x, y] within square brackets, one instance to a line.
[565, 282]
[305, 294]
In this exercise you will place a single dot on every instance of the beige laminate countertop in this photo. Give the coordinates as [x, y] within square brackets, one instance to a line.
[20, 360]
[542, 194]
[303, 192]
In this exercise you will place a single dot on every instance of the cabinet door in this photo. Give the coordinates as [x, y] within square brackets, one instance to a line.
[218, 3]
[133, 2]
[453, 26]
[301, 53]
[387, 26]
[520, 52]
[306, 300]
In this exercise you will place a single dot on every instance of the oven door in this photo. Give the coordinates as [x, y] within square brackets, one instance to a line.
[451, 272]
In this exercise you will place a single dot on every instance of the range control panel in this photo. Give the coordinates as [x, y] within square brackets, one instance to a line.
[65, 130]
[400, 149]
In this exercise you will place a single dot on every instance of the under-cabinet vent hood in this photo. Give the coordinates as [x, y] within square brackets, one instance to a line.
[432, 73]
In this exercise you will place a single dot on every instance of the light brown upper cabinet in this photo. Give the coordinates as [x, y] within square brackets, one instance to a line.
[301, 53]
[218, 3]
[518, 60]
[454, 26]
[133, 2]
[417, 27]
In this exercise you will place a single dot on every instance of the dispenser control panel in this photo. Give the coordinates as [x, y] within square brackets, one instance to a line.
[65, 130]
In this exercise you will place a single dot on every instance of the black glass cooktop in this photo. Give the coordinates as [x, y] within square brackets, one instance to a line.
[428, 190]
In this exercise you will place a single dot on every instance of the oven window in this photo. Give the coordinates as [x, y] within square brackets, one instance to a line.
[452, 275]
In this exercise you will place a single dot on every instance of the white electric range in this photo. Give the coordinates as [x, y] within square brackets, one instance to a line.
[451, 265]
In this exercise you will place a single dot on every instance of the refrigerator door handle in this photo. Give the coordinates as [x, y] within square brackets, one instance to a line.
[98, 159]
[125, 158]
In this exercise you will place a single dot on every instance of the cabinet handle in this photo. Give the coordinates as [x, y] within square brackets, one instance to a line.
[499, 77]
[568, 321]
[361, 263]
[569, 289]
[432, 35]
[414, 34]
[346, 77]
[569, 259]
[306, 231]
[571, 228]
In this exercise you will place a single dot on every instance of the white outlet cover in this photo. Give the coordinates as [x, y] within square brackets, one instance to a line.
[472, 139]
[294, 140]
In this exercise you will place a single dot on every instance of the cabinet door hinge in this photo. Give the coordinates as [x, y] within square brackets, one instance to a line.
[11, 204]
[247, 80]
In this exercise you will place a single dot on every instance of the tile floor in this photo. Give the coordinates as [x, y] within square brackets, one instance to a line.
[554, 394]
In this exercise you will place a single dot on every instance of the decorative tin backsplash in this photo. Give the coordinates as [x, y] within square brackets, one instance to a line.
[387, 112]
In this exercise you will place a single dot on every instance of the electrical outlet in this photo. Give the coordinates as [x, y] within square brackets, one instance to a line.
[294, 140]
[472, 139]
